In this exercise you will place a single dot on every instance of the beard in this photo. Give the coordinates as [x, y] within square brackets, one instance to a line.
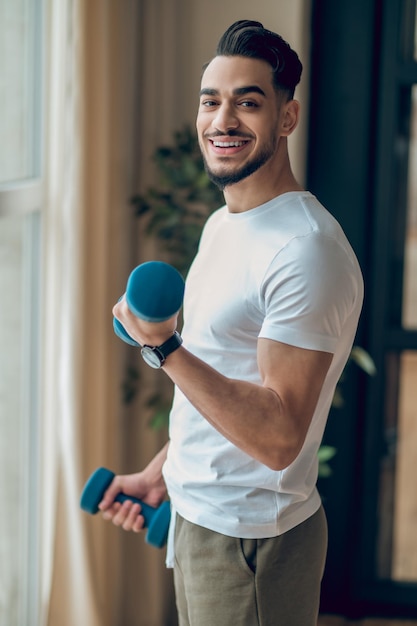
[224, 177]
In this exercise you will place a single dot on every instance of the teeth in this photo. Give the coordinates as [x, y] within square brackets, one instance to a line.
[228, 144]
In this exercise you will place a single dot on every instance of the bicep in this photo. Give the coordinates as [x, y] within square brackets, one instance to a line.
[295, 375]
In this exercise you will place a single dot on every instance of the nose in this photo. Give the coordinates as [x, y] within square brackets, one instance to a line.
[225, 118]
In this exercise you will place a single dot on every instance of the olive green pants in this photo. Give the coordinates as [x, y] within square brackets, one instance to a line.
[224, 581]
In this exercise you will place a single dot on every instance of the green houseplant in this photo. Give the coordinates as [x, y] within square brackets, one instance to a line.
[174, 213]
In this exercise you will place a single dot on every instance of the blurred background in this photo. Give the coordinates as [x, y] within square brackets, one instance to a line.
[91, 91]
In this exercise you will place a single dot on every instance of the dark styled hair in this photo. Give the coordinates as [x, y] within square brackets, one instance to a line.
[250, 39]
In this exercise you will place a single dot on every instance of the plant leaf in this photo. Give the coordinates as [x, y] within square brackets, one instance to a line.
[326, 453]
[363, 359]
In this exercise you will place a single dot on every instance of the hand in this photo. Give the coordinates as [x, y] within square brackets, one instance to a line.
[128, 515]
[150, 333]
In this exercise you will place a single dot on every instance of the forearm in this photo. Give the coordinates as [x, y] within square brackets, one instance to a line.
[270, 420]
[153, 470]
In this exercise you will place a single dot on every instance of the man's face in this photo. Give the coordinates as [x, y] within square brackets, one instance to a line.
[238, 118]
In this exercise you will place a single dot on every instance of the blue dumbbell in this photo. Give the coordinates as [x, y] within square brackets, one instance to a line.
[154, 293]
[156, 519]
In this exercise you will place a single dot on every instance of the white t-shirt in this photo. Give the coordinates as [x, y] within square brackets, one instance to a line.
[283, 271]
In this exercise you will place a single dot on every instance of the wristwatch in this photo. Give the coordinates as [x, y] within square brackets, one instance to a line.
[155, 356]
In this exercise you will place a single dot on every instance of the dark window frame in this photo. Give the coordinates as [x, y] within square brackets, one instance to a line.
[359, 69]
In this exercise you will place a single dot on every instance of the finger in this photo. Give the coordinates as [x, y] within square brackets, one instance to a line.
[132, 517]
[117, 309]
[110, 494]
[122, 514]
[110, 512]
[106, 502]
[139, 524]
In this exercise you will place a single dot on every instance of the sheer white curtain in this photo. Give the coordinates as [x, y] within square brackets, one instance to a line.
[62, 316]
[88, 236]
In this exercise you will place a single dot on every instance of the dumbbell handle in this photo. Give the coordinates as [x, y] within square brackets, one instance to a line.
[147, 510]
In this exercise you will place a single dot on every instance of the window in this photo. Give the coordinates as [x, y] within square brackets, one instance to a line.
[363, 166]
[20, 228]
[397, 546]
[390, 563]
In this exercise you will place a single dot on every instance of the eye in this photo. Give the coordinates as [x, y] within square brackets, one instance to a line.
[208, 103]
[248, 104]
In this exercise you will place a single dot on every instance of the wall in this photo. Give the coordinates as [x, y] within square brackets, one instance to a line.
[289, 18]
[175, 47]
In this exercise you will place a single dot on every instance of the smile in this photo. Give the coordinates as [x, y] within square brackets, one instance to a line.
[228, 144]
[224, 147]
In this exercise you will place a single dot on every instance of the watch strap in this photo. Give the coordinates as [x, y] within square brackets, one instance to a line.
[170, 345]
[165, 349]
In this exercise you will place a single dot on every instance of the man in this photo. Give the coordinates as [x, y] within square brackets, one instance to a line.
[271, 308]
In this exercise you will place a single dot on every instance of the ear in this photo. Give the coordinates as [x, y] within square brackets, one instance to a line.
[290, 114]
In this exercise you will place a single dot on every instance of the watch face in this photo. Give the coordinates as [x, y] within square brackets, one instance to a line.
[151, 357]
[155, 356]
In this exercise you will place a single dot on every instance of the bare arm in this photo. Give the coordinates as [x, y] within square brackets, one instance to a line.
[268, 421]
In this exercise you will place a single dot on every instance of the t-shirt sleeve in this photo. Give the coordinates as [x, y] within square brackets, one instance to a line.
[308, 293]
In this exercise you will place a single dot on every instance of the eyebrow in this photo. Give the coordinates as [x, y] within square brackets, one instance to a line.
[239, 91]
